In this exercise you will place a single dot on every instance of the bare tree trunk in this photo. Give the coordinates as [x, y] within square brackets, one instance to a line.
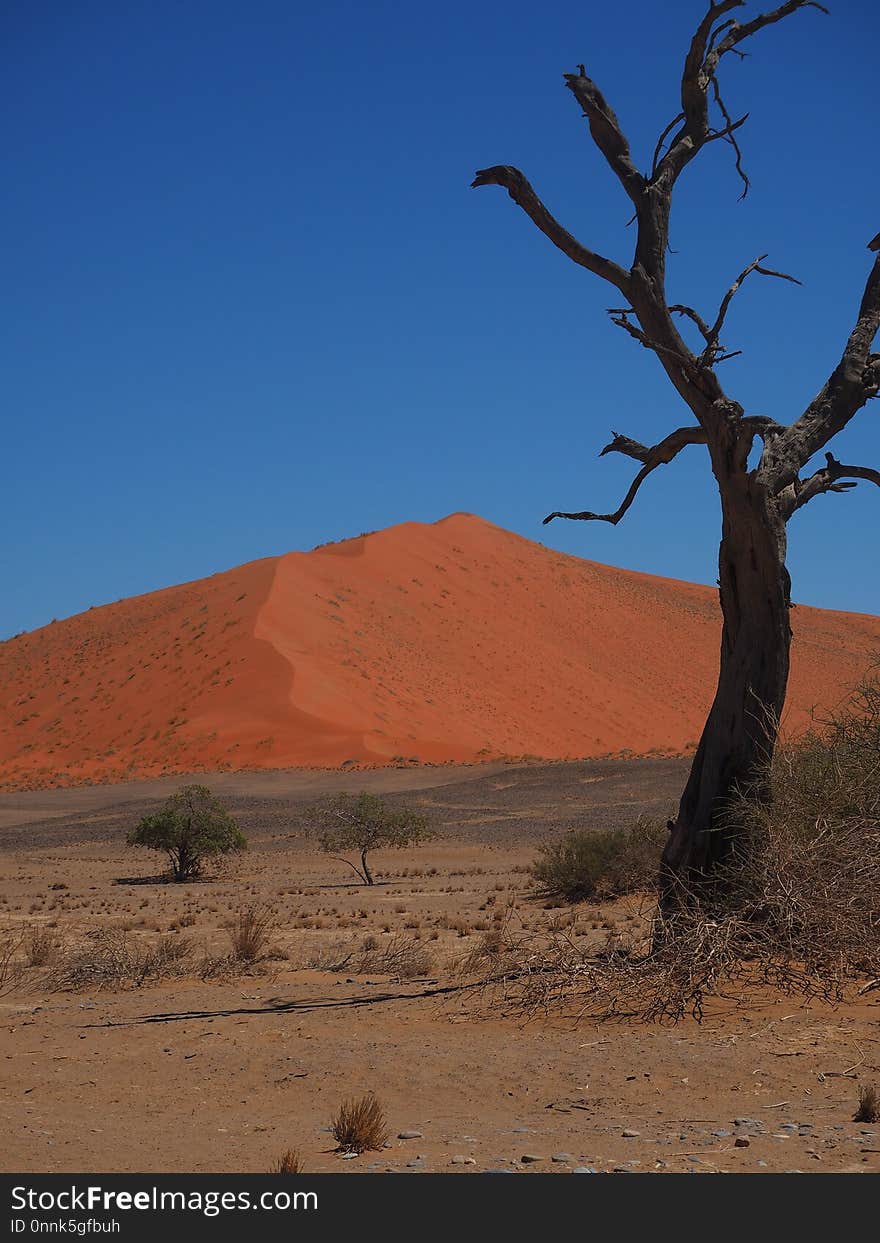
[740, 732]
[368, 875]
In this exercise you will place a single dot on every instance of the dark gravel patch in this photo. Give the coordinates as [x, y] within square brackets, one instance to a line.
[494, 804]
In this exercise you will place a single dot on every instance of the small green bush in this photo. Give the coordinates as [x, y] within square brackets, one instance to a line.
[600, 863]
[191, 827]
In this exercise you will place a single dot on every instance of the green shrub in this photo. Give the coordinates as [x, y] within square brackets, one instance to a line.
[600, 863]
[362, 823]
[191, 827]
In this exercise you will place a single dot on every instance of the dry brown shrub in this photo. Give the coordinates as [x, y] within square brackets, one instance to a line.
[400, 957]
[869, 1104]
[41, 945]
[109, 958]
[359, 1125]
[290, 1162]
[497, 953]
[10, 967]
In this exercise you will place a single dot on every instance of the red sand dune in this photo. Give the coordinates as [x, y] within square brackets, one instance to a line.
[451, 641]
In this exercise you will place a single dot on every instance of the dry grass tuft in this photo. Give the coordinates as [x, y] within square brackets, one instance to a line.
[251, 933]
[290, 1162]
[359, 1125]
[869, 1104]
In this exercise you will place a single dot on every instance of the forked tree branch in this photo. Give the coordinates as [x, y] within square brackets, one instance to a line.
[833, 477]
[520, 190]
[854, 381]
[740, 31]
[712, 346]
[656, 455]
[660, 454]
[712, 40]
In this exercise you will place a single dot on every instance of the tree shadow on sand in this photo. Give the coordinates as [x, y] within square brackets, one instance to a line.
[278, 1006]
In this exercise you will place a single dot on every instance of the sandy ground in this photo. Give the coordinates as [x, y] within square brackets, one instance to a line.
[438, 642]
[223, 1075]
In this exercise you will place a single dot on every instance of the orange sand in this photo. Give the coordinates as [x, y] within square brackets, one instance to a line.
[451, 641]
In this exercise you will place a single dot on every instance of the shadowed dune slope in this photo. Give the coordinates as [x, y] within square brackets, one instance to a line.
[448, 641]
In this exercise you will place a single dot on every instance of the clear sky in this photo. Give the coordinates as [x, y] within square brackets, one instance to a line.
[250, 303]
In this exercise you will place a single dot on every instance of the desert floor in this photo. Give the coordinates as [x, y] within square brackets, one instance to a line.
[224, 1074]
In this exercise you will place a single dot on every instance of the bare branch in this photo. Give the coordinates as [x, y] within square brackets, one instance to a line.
[833, 477]
[712, 339]
[620, 317]
[738, 32]
[854, 381]
[656, 455]
[689, 311]
[606, 132]
[524, 196]
[709, 44]
[730, 126]
[661, 140]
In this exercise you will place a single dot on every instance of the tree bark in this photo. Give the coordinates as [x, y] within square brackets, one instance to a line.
[740, 732]
[368, 875]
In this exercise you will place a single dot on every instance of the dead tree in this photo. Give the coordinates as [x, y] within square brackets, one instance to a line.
[756, 504]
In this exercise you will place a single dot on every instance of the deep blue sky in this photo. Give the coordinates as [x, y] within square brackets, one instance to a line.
[250, 303]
